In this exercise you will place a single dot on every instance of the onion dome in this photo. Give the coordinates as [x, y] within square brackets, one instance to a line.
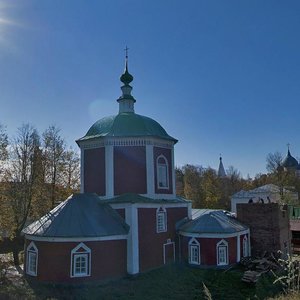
[126, 77]
[290, 161]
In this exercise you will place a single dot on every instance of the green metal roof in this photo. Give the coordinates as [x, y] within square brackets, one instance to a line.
[135, 198]
[126, 125]
[81, 215]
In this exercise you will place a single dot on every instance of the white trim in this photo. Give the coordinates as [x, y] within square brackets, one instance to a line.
[238, 250]
[220, 245]
[213, 235]
[131, 218]
[164, 250]
[109, 171]
[161, 212]
[150, 170]
[173, 172]
[194, 243]
[86, 254]
[125, 141]
[246, 245]
[75, 239]
[81, 170]
[148, 205]
[28, 258]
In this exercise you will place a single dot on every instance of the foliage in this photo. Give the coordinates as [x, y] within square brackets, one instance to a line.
[290, 277]
[38, 173]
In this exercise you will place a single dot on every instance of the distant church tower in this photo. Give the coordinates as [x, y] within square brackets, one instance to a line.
[221, 170]
[290, 163]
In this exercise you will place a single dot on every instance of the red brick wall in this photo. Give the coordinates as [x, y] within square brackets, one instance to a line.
[208, 249]
[130, 170]
[54, 260]
[157, 151]
[269, 226]
[94, 171]
[150, 242]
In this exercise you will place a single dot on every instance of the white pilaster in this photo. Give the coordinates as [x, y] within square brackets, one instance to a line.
[131, 217]
[150, 170]
[81, 170]
[173, 172]
[109, 171]
[238, 250]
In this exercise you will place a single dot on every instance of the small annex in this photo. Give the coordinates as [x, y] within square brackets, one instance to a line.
[213, 238]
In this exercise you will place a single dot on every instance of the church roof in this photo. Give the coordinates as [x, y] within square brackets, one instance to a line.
[136, 198]
[126, 124]
[81, 215]
[221, 170]
[290, 161]
[213, 221]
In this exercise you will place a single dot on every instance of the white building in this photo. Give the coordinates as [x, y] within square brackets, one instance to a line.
[265, 194]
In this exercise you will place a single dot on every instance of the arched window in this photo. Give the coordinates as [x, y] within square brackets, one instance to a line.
[161, 220]
[162, 172]
[81, 261]
[222, 253]
[194, 252]
[245, 246]
[32, 259]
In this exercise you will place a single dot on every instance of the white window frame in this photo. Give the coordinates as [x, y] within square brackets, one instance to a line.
[162, 173]
[222, 245]
[31, 255]
[194, 245]
[161, 220]
[86, 255]
[245, 246]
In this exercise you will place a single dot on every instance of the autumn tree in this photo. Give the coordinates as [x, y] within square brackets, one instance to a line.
[3, 147]
[19, 180]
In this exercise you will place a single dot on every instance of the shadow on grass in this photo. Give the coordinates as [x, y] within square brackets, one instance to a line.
[171, 282]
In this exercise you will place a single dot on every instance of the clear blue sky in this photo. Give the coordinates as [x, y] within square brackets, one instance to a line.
[220, 76]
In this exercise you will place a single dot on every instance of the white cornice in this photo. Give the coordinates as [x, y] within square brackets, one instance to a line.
[213, 235]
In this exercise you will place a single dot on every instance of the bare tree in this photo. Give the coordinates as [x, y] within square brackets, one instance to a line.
[54, 152]
[274, 162]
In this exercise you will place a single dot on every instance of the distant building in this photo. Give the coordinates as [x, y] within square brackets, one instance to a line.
[269, 193]
[221, 170]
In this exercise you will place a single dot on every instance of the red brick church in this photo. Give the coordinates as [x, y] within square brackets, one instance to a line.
[127, 218]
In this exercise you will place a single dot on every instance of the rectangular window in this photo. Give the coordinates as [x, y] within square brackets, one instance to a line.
[194, 254]
[80, 264]
[162, 176]
[161, 223]
[32, 263]
[222, 251]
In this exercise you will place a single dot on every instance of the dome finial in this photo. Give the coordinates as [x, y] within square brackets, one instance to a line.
[126, 77]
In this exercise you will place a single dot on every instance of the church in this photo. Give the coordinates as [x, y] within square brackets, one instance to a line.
[127, 218]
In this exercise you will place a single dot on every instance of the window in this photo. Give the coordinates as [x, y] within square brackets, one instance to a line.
[161, 220]
[194, 252]
[81, 261]
[222, 253]
[32, 259]
[245, 246]
[162, 172]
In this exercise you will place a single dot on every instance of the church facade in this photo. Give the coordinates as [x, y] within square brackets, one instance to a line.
[127, 217]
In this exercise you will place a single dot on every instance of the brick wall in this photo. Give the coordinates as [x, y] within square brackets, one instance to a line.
[269, 226]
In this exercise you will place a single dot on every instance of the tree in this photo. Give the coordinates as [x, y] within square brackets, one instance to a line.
[54, 153]
[274, 162]
[3, 147]
[20, 180]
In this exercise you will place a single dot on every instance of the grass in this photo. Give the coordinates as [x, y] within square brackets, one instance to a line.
[171, 282]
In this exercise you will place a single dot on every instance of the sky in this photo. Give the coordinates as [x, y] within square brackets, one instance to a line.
[220, 76]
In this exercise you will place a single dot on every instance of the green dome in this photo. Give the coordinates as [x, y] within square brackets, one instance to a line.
[126, 125]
